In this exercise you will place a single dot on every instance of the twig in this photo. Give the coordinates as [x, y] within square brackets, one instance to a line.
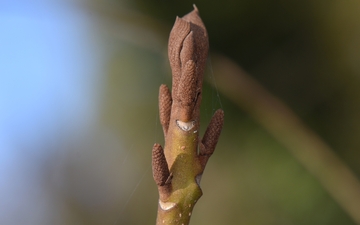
[177, 170]
[308, 148]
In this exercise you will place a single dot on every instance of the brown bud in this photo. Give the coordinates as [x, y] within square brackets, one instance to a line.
[212, 133]
[188, 50]
[201, 41]
[187, 91]
[165, 102]
[160, 168]
[178, 33]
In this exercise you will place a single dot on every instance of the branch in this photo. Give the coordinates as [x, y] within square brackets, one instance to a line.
[281, 122]
[178, 168]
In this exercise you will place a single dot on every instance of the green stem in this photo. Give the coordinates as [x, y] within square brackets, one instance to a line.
[177, 170]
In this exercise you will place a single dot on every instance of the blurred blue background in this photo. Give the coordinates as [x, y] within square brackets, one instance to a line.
[51, 77]
[78, 108]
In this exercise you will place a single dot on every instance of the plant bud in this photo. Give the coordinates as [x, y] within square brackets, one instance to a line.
[188, 51]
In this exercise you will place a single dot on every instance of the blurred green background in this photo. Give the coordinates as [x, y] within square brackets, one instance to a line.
[98, 170]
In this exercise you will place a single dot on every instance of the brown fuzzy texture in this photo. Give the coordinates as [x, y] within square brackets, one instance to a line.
[188, 51]
[160, 168]
[178, 33]
[187, 86]
[187, 91]
[201, 42]
[212, 133]
[165, 102]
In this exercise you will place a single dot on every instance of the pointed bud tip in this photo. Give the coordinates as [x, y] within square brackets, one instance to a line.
[220, 113]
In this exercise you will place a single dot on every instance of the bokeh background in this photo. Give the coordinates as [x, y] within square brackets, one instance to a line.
[78, 110]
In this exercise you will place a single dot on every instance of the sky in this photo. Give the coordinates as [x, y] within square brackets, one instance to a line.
[50, 66]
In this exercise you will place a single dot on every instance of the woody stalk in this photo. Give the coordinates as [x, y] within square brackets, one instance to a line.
[177, 169]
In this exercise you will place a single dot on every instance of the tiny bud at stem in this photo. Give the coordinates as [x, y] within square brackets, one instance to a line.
[160, 168]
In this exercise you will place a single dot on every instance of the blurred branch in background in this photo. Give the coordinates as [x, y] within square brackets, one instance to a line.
[130, 26]
[288, 129]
